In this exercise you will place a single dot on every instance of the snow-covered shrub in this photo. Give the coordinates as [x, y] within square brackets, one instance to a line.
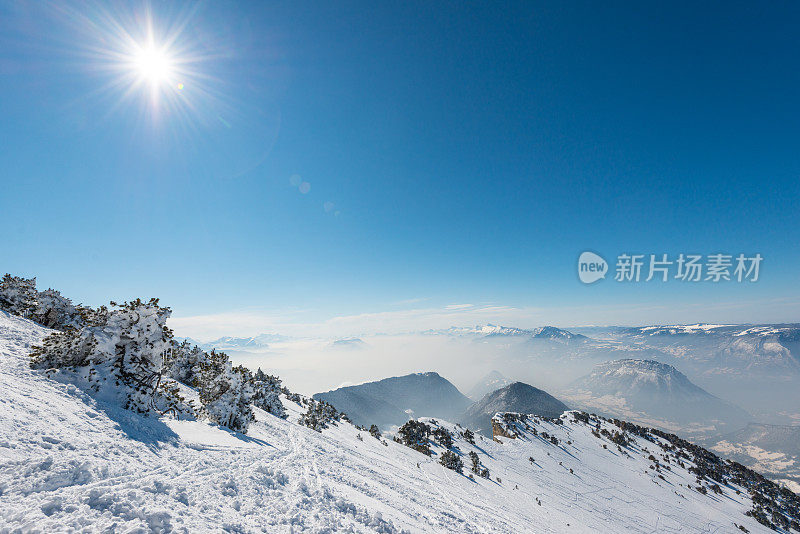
[226, 392]
[476, 462]
[319, 415]
[118, 351]
[49, 308]
[414, 434]
[468, 436]
[183, 363]
[18, 295]
[375, 432]
[267, 389]
[443, 437]
[53, 310]
[451, 460]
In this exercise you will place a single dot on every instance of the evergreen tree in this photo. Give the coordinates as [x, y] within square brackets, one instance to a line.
[443, 437]
[476, 462]
[267, 390]
[415, 434]
[469, 436]
[18, 295]
[122, 348]
[226, 392]
[184, 363]
[319, 415]
[55, 311]
[375, 431]
[451, 460]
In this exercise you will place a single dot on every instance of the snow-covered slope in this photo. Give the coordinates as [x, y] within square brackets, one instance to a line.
[71, 463]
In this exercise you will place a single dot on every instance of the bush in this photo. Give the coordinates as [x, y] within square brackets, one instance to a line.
[414, 434]
[48, 308]
[183, 363]
[476, 462]
[443, 437]
[18, 295]
[451, 460]
[469, 436]
[267, 390]
[319, 415]
[226, 392]
[119, 351]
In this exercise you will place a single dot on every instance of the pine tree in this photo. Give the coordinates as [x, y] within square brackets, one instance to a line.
[184, 363]
[443, 437]
[414, 434]
[267, 390]
[476, 462]
[469, 436]
[18, 295]
[55, 311]
[451, 460]
[375, 431]
[122, 349]
[226, 392]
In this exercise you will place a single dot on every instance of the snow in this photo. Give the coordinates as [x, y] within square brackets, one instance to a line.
[72, 462]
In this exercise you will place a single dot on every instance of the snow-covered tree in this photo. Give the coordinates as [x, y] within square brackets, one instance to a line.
[451, 460]
[184, 362]
[375, 432]
[18, 295]
[415, 434]
[119, 350]
[319, 415]
[443, 437]
[55, 311]
[469, 436]
[226, 392]
[476, 462]
[267, 389]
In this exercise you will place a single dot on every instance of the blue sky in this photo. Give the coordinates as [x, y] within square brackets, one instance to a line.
[449, 154]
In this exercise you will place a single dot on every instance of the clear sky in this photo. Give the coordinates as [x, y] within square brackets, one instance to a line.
[384, 165]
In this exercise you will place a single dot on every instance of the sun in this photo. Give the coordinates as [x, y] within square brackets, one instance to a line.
[153, 65]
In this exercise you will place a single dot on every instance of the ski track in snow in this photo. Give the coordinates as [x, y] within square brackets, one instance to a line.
[69, 462]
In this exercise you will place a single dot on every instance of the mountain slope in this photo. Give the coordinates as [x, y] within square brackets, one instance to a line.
[392, 401]
[516, 397]
[770, 449]
[489, 383]
[657, 394]
[69, 462]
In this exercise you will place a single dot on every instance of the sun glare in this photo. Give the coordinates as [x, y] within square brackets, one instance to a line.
[153, 65]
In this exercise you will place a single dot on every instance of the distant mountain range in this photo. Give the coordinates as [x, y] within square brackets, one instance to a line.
[657, 394]
[490, 330]
[255, 343]
[516, 397]
[393, 401]
[489, 383]
[352, 343]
